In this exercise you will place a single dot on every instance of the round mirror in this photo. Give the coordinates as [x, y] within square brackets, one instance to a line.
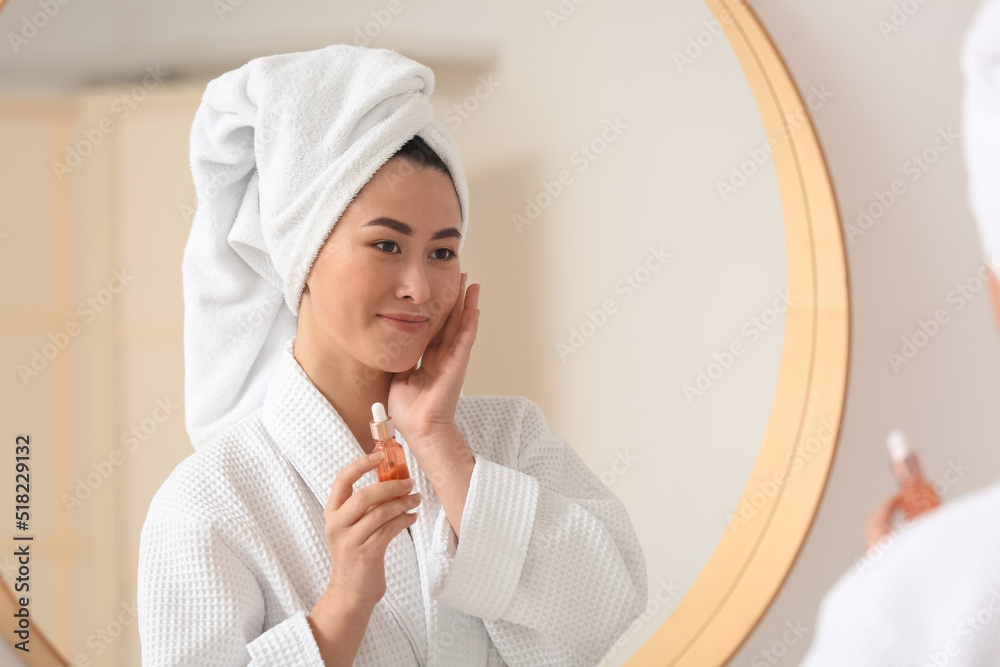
[652, 223]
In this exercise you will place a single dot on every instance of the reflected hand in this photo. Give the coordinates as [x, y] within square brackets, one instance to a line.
[880, 520]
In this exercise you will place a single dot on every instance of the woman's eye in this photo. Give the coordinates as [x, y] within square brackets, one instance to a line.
[451, 254]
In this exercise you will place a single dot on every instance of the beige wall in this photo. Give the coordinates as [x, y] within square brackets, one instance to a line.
[94, 256]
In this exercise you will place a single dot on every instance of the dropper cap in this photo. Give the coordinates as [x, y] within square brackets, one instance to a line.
[904, 462]
[898, 449]
[381, 426]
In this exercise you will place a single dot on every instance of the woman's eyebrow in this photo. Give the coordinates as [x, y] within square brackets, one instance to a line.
[404, 228]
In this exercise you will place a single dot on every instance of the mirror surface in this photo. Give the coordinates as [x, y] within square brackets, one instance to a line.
[640, 306]
[656, 399]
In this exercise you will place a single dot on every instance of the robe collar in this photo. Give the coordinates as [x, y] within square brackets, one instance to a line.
[316, 440]
[313, 436]
[308, 430]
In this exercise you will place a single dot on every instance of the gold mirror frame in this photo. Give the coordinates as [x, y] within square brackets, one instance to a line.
[753, 558]
[751, 561]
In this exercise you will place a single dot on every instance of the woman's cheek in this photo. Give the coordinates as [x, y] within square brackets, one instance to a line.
[432, 334]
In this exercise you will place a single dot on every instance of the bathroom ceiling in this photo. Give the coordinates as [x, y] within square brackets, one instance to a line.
[55, 47]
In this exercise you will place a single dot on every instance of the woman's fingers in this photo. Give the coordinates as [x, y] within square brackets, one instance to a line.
[443, 340]
[371, 497]
[383, 513]
[462, 347]
[390, 529]
[455, 316]
[343, 483]
[443, 336]
[879, 521]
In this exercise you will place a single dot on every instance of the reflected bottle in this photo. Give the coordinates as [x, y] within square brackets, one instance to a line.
[393, 466]
[917, 495]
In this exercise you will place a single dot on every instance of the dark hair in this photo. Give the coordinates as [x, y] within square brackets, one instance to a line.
[418, 153]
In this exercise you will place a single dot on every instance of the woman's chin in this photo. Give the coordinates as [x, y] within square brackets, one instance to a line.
[400, 364]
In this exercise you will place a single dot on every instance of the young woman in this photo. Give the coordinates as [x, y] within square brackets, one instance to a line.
[274, 543]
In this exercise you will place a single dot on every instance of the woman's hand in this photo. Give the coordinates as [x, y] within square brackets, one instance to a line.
[422, 401]
[359, 527]
[880, 520]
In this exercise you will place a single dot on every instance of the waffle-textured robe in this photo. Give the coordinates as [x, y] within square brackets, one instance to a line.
[233, 553]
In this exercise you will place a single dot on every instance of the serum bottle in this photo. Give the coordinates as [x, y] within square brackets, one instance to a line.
[917, 495]
[393, 466]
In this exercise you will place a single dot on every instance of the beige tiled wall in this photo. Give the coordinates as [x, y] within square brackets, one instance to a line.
[98, 249]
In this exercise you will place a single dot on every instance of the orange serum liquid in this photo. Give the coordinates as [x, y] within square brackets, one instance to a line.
[393, 466]
[917, 495]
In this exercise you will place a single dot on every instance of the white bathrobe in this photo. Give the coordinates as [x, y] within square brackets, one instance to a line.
[927, 595]
[233, 553]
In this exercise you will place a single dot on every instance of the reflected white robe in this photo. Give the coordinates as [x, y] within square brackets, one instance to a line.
[233, 553]
[928, 595]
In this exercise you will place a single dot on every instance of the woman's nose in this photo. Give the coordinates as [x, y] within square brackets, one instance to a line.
[414, 282]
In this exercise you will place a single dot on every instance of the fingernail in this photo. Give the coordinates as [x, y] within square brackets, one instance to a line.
[375, 456]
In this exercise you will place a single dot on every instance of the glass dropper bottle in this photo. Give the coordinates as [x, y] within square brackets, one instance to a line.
[917, 494]
[393, 466]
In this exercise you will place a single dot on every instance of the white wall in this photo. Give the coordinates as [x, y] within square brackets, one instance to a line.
[891, 97]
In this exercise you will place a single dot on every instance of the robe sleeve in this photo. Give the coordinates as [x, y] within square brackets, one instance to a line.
[860, 632]
[548, 557]
[198, 604]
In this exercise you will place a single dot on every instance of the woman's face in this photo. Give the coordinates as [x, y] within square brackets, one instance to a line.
[394, 252]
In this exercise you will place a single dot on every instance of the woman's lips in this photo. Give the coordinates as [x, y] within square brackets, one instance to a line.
[403, 325]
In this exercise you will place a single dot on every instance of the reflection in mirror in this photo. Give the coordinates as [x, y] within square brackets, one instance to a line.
[626, 226]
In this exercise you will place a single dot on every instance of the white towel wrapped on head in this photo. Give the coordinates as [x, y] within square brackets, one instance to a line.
[981, 125]
[279, 148]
